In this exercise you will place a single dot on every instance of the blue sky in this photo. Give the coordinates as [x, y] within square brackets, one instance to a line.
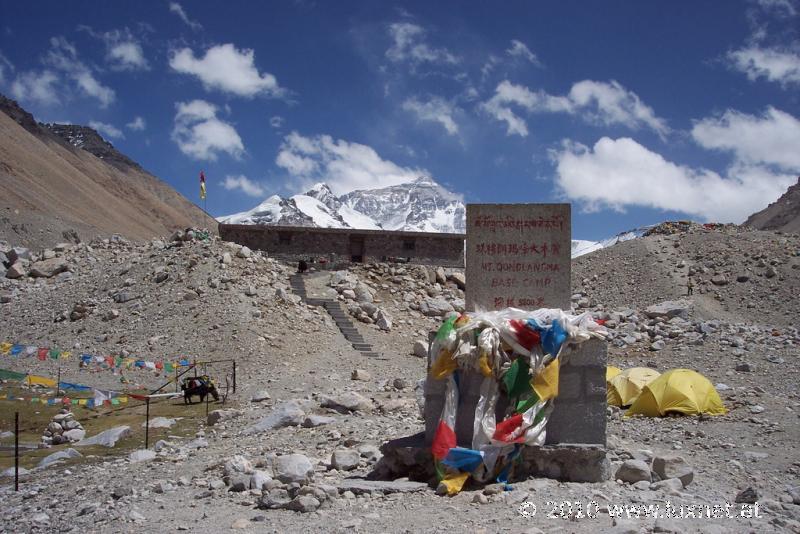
[635, 112]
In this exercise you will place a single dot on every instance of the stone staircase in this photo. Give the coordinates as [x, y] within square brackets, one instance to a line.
[339, 315]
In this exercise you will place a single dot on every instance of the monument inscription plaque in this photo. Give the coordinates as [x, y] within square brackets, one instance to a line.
[518, 255]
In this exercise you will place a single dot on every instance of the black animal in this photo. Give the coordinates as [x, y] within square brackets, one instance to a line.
[199, 387]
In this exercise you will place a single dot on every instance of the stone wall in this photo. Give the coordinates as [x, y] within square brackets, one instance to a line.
[340, 245]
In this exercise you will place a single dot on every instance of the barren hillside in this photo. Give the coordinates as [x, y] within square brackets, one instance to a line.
[53, 192]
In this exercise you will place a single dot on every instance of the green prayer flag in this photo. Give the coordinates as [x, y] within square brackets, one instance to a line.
[11, 375]
[54, 354]
[517, 378]
[527, 403]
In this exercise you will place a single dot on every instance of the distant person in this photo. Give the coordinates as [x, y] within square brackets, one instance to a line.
[302, 266]
[689, 286]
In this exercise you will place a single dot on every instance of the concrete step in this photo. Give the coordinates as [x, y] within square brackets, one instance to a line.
[361, 347]
[356, 339]
[370, 354]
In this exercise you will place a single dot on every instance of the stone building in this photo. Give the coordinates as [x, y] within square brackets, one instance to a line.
[341, 245]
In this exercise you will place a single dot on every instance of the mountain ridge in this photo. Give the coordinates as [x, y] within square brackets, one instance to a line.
[421, 205]
[58, 189]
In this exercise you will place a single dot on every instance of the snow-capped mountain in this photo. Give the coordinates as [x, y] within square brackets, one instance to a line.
[418, 206]
[582, 246]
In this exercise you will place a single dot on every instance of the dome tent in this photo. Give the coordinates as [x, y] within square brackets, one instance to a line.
[626, 386]
[678, 391]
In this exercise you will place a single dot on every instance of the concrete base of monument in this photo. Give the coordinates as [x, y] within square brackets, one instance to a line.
[567, 462]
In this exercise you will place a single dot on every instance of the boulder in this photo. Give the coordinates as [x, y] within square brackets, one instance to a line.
[238, 464]
[16, 270]
[259, 479]
[669, 309]
[384, 321]
[244, 252]
[260, 395]
[286, 414]
[58, 457]
[420, 349]
[345, 459]
[364, 293]
[142, 455]
[633, 471]
[303, 503]
[667, 467]
[18, 253]
[107, 438]
[221, 415]
[440, 276]
[719, 280]
[293, 468]
[349, 401]
[160, 422]
[48, 268]
[313, 421]
[459, 280]
[435, 307]
[76, 434]
[360, 374]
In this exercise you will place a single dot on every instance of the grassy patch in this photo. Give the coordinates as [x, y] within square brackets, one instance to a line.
[34, 417]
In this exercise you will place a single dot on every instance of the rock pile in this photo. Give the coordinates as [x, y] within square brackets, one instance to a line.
[63, 428]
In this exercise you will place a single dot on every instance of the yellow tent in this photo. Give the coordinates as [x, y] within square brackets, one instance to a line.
[678, 391]
[611, 372]
[626, 386]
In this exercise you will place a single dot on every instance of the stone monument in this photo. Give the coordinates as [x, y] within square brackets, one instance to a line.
[519, 255]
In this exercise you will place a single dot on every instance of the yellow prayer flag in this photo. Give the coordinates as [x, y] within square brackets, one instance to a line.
[41, 381]
[454, 483]
[545, 383]
[444, 365]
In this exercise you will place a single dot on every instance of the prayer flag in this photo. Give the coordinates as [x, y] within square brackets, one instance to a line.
[202, 186]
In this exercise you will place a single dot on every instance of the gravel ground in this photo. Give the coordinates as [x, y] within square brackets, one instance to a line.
[215, 303]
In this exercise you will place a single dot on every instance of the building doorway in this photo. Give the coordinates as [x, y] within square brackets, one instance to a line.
[357, 248]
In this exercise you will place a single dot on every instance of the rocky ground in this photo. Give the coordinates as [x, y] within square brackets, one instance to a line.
[310, 412]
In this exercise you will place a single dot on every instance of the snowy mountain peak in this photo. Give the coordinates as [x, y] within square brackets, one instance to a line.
[421, 205]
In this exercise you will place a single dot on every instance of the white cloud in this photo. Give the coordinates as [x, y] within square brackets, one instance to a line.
[344, 166]
[604, 103]
[5, 64]
[619, 173]
[36, 87]
[227, 69]
[520, 50]
[176, 8]
[277, 122]
[123, 50]
[137, 124]
[408, 44]
[244, 184]
[201, 135]
[775, 65]
[127, 55]
[771, 139]
[435, 110]
[64, 57]
[107, 130]
[787, 7]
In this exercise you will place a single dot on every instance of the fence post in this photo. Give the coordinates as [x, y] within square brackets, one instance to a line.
[16, 451]
[234, 376]
[147, 426]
